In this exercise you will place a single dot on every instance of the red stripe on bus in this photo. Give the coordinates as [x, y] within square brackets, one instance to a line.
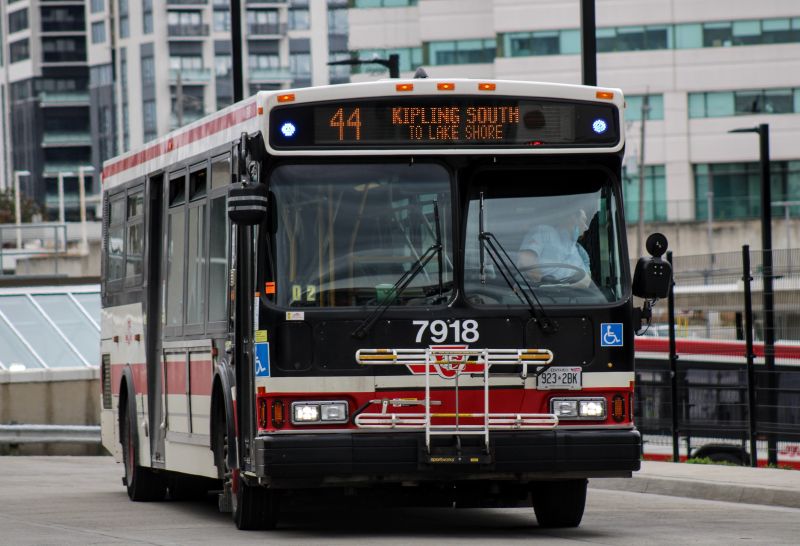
[201, 374]
[139, 374]
[712, 347]
[209, 128]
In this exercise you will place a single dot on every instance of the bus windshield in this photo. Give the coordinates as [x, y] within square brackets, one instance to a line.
[556, 231]
[347, 232]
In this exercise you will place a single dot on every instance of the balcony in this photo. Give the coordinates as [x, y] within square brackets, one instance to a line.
[67, 138]
[266, 29]
[64, 98]
[268, 75]
[188, 31]
[190, 76]
[189, 2]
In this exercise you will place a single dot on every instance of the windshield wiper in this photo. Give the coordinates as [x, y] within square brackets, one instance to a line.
[403, 282]
[510, 273]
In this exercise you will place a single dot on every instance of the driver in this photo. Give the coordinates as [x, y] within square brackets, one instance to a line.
[545, 244]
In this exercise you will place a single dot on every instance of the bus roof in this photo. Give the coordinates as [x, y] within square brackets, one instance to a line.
[251, 115]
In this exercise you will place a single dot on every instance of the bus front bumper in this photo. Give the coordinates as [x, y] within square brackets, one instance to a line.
[325, 459]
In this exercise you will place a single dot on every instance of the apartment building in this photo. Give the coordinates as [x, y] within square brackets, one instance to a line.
[44, 104]
[706, 68]
[160, 64]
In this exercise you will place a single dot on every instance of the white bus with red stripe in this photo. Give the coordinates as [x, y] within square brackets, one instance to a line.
[350, 287]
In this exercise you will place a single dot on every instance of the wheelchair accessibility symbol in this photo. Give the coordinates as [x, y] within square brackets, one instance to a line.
[611, 334]
[262, 360]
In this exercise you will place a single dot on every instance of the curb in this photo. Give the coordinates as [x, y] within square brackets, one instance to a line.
[699, 489]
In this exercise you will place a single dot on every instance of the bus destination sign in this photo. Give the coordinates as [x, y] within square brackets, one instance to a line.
[430, 122]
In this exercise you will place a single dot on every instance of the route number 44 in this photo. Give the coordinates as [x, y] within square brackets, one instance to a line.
[439, 330]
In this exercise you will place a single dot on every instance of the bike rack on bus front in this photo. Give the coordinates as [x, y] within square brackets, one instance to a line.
[454, 361]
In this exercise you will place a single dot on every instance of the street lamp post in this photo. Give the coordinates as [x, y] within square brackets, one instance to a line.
[82, 170]
[768, 295]
[17, 205]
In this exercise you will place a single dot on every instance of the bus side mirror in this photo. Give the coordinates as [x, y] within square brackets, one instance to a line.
[653, 276]
[247, 204]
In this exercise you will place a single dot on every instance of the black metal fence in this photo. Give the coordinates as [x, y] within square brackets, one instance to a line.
[728, 387]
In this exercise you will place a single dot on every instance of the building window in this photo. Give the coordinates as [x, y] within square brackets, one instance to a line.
[98, 32]
[222, 21]
[148, 70]
[655, 195]
[734, 189]
[124, 23]
[223, 64]
[17, 20]
[18, 51]
[743, 103]
[634, 38]
[262, 61]
[655, 104]
[147, 16]
[550, 42]
[262, 21]
[300, 65]
[299, 19]
[339, 73]
[97, 6]
[337, 21]
[384, 3]
[460, 52]
[63, 50]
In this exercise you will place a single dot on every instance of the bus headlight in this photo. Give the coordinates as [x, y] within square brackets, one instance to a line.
[579, 408]
[325, 412]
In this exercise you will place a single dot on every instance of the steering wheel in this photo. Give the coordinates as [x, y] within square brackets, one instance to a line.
[576, 274]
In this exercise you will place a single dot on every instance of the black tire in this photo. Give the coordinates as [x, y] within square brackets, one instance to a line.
[559, 504]
[143, 484]
[254, 507]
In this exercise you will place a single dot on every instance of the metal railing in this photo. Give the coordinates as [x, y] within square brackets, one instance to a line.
[49, 434]
[59, 243]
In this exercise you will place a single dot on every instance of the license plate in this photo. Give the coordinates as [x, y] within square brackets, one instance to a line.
[560, 378]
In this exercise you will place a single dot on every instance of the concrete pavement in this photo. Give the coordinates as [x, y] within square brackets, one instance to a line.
[768, 486]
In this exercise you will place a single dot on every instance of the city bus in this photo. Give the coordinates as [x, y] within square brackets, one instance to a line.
[416, 289]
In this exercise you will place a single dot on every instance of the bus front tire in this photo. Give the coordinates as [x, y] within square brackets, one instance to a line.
[254, 507]
[560, 503]
[143, 484]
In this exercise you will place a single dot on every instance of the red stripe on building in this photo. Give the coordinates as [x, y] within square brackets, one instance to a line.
[184, 138]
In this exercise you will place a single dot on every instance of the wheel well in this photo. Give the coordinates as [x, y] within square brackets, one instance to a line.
[123, 403]
[217, 410]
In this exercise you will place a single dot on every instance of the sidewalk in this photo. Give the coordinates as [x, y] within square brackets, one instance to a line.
[768, 486]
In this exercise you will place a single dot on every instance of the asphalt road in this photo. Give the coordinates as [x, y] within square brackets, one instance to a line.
[80, 500]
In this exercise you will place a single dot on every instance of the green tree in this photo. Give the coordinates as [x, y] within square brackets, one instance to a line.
[29, 207]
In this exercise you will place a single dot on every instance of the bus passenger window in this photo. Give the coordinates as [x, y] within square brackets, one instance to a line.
[221, 172]
[195, 290]
[218, 258]
[175, 252]
[135, 234]
[116, 240]
[177, 190]
[197, 184]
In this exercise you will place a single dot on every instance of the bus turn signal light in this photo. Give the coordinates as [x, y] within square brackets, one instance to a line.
[262, 413]
[618, 408]
[278, 416]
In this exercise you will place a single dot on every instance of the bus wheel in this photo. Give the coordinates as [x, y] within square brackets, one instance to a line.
[254, 507]
[143, 484]
[559, 504]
